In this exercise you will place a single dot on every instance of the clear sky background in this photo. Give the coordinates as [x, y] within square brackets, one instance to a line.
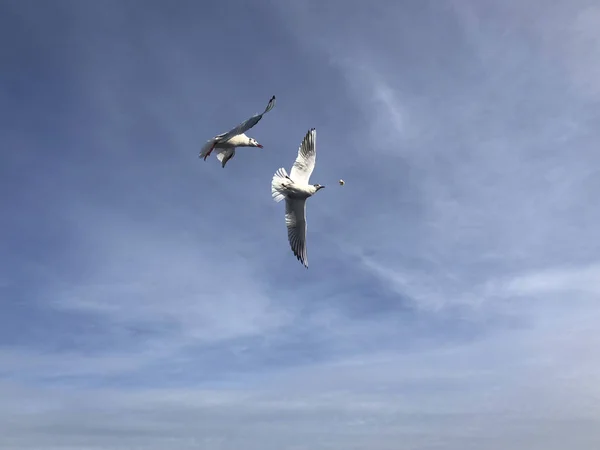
[150, 300]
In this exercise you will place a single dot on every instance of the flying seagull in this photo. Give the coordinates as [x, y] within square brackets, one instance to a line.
[294, 188]
[225, 144]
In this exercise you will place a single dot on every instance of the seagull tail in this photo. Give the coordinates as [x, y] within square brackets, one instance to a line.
[206, 148]
[277, 188]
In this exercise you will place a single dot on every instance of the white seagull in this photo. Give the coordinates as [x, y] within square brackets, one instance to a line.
[294, 188]
[225, 144]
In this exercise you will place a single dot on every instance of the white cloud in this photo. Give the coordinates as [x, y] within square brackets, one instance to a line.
[564, 31]
[388, 123]
[31, 364]
[574, 281]
[419, 397]
[137, 275]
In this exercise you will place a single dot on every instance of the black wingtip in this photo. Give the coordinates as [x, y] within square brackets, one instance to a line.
[270, 105]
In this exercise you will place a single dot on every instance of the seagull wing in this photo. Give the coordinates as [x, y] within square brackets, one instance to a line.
[295, 220]
[224, 155]
[305, 161]
[247, 124]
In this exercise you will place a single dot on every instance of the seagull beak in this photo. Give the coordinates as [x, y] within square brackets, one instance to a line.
[259, 146]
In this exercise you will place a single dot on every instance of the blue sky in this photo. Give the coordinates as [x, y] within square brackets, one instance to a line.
[150, 299]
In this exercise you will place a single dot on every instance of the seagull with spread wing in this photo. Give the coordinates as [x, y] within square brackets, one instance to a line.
[225, 144]
[294, 188]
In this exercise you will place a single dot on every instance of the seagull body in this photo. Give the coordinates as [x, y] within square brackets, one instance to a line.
[295, 189]
[225, 144]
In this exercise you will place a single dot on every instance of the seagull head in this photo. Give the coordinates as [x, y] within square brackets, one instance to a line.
[254, 143]
[318, 186]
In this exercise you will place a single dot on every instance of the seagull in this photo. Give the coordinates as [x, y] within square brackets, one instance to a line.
[294, 188]
[225, 144]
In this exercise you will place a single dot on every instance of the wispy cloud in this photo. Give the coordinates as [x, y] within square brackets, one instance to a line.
[567, 280]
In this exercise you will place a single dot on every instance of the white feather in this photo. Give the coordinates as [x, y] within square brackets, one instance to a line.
[278, 184]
